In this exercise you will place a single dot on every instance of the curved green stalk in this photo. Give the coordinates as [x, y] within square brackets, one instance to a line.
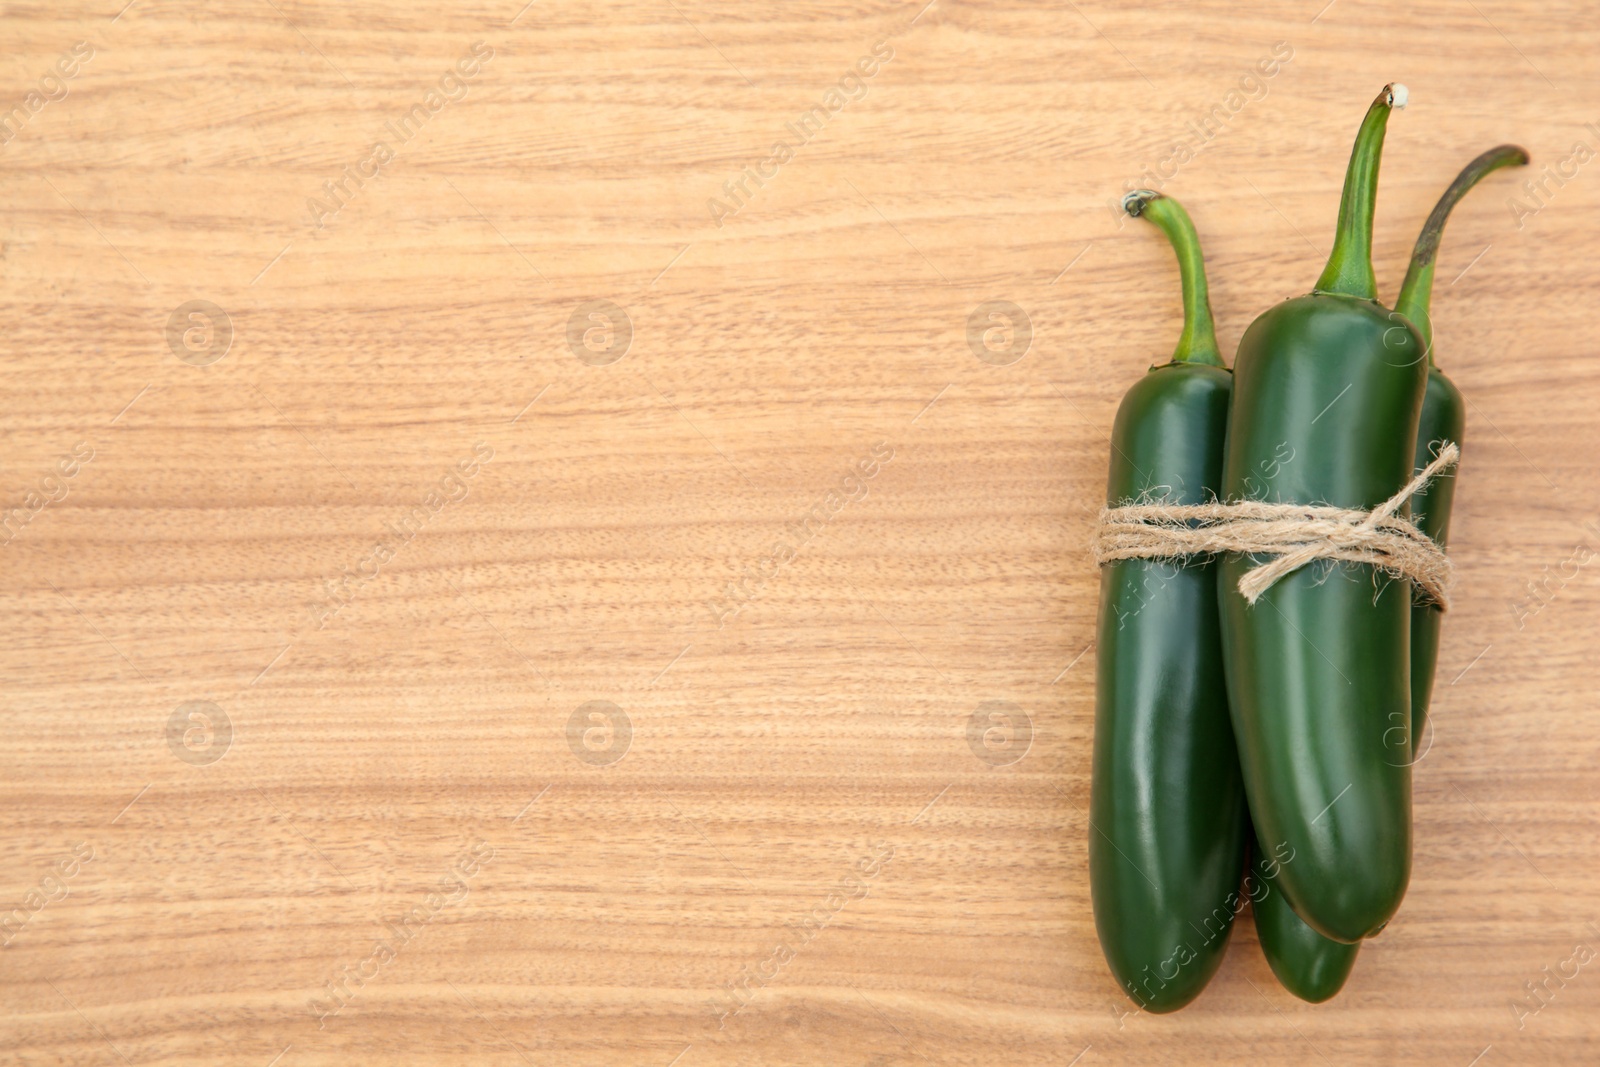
[1349, 268]
[1198, 342]
[1417, 290]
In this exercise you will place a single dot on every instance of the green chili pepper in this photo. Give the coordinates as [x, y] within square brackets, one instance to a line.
[1167, 815]
[1310, 966]
[1443, 416]
[1327, 391]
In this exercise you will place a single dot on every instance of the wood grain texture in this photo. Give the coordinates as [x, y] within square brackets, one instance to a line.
[787, 810]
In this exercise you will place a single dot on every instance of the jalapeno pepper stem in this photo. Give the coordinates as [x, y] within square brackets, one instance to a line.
[1198, 342]
[1349, 268]
[1417, 290]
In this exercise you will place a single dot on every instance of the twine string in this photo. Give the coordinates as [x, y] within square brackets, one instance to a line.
[1293, 534]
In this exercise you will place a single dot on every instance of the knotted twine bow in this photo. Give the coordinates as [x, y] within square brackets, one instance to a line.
[1295, 534]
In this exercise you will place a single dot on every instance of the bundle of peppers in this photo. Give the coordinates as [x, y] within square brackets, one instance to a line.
[1262, 752]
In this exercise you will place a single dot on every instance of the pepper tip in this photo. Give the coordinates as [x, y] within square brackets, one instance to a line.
[1397, 95]
[1134, 203]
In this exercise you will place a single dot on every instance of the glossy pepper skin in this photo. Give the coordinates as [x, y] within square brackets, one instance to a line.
[1167, 814]
[1327, 392]
[1443, 417]
[1310, 966]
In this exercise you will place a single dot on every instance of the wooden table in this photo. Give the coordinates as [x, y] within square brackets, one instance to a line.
[584, 586]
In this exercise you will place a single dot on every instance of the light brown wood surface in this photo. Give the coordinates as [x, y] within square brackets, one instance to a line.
[809, 754]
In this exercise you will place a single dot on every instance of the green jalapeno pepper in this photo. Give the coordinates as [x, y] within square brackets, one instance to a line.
[1309, 965]
[1327, 392]
[1167, 815]
[1443, 416]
